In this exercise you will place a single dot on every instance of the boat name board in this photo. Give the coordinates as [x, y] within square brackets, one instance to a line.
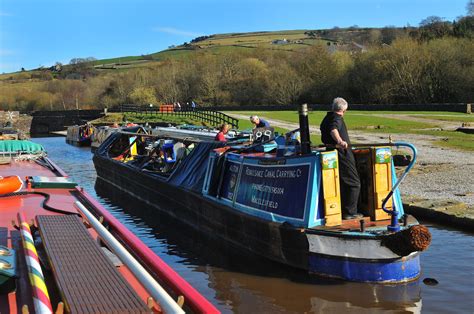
[278, 189]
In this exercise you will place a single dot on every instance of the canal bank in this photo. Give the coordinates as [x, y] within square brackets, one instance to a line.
[238, 283]
[445, 212]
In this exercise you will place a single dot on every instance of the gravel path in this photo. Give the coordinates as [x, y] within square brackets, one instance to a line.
[440, 173]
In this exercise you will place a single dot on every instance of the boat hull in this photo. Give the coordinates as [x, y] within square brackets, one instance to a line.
[296, 247]
[362, 259]
[79, 143]
[382, 271]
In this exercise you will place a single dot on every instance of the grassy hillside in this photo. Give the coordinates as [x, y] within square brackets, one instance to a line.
[297, 39]
[219, 43]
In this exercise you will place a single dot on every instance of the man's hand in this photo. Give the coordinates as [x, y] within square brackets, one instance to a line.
[335, 135]
[343, 144]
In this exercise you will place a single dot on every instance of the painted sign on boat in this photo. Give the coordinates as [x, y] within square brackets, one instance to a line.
[278, 189]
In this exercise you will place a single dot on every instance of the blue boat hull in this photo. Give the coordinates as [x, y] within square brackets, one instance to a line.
[392, 271]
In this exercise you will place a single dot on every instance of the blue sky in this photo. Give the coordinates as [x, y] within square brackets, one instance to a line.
[37, 33]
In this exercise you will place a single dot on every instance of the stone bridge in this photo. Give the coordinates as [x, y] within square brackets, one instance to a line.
[45, 122]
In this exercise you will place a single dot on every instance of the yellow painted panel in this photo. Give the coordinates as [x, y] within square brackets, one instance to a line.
[329, 183]
[382, 185]
[333, 220]
[379, 199]
[331, 189]
[381, 177]
[331, 206]
[381, 215]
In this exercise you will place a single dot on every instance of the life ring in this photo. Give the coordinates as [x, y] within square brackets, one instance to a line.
[10, 184]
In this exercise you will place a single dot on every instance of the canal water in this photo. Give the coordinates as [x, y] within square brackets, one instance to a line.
[237, 283]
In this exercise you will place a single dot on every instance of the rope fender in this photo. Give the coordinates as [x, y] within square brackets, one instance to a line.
[414, 239]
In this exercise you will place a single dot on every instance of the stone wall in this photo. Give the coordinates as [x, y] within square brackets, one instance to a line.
[17, 121]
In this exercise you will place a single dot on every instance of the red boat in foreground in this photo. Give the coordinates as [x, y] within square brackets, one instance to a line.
[61, 251]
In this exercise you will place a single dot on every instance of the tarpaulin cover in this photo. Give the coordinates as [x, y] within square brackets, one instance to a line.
[13, 146]
[192, 170]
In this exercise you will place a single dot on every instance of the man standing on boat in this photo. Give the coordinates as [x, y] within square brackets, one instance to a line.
[334, 132]
[259, 123]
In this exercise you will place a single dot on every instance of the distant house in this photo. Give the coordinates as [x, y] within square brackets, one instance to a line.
[352, 47]
[280, 41]
[56, 68]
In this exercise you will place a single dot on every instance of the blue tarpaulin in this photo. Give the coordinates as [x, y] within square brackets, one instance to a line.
[191, 172]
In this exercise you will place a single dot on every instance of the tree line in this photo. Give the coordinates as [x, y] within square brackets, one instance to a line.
[436, 68]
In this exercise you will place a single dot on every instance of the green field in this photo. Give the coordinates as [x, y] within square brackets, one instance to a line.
[361, 121]
[111, 118]
[456, 118]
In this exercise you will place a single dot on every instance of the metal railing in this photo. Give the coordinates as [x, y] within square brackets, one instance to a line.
[215, 118]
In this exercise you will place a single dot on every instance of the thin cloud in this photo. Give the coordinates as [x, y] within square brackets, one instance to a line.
[174, 31]
[3, 13]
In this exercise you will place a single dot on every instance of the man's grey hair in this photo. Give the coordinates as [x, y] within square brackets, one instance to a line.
[253, 118]
[339, 104]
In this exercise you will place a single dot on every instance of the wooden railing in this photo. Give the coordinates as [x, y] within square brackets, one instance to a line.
[215, 118]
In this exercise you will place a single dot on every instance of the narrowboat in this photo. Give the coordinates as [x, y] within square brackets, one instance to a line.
[100, 134]
[79, 135]
[273, 196]
[61, 251]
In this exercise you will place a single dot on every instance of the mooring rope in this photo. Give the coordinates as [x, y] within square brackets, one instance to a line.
[44, 204]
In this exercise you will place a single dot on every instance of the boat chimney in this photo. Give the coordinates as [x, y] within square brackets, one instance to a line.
[304, 129]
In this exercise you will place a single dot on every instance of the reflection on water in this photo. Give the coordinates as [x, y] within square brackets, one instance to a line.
[236, 282]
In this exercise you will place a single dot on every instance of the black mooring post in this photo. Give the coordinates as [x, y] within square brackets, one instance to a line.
[304, 129]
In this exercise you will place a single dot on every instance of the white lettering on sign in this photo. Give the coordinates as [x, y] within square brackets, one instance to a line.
[254, 172]
[268, 189]
[272, 173]
[265, 203]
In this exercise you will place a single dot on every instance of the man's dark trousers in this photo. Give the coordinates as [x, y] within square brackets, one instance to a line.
[349, 180]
